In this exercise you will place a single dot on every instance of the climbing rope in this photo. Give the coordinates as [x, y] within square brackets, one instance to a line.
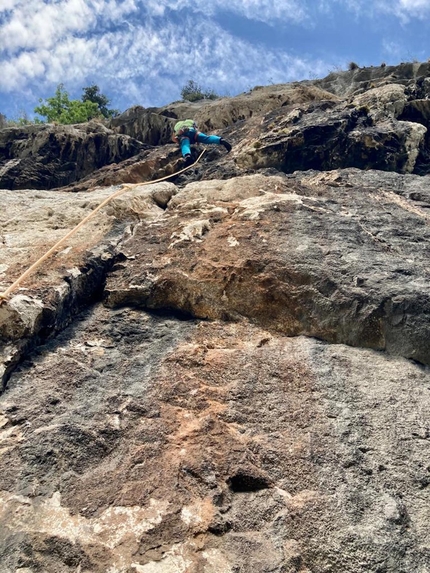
[125, 187]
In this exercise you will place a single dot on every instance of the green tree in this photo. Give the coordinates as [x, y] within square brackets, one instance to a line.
[192, 91]
[92, 94]
[61, 109]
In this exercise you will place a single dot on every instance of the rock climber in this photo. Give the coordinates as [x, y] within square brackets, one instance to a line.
[186, 133]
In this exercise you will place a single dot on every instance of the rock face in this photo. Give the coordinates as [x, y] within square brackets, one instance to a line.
[371, 118]
[314, 255]
[413, 75]
[227, 371]
[45, 157]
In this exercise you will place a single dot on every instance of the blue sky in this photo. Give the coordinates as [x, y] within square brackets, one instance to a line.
[142, 52]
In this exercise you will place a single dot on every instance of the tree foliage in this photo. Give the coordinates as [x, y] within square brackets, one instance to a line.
[92, 94]
[192, 91]
[61, 109]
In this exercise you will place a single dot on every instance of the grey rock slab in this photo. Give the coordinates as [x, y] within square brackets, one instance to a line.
[320, 254]
[143, 442]
[49, 156]
[32, 222]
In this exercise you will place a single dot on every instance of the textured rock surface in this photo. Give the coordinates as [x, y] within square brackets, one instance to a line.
[32, 222]
[319, 256]
[227, 372]
[47, 156]
[147, 125]
[145, 444]
[413, 75]
[370, 118]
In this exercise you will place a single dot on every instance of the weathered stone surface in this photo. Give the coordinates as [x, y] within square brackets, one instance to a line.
[144, 124]
[418, 110]
[321, 257]
[146, 166]
[321, 135]
[413, 75]
[147, 125]
[147, 444]
[32, 222]
[48, 156]
[386, 101]
[228, 372]
[325, 136]
[288, 126]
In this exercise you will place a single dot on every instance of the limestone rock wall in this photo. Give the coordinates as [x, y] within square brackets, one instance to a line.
[413, 75]
[143, 443]
[47, 156]
[366, 118]
[226, 372]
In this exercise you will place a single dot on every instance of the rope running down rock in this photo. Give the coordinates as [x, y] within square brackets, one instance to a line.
[125, 187]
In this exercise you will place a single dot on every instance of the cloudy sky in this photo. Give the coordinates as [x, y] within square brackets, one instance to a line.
[144, 51]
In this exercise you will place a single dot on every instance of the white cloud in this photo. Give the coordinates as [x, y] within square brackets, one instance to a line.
[263, 10]
[405, 10]
[393, 49]
[413, 5]
[150, 62]
[8, 5]
[37, 24]
[45, 42]
[268, 11]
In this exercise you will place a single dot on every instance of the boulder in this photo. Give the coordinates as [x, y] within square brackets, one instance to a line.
[387, 101]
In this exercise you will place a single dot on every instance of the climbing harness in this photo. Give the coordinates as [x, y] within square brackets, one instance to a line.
[125, 187]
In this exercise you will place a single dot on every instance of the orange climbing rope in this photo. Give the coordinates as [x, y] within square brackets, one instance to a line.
[125, 187]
